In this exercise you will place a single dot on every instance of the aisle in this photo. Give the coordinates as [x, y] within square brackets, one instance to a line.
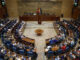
[49, 32]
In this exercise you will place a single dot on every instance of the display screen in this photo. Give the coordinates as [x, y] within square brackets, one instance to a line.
[3, 2]
[76, 2]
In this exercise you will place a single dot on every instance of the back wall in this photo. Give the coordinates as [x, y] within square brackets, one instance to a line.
[47, 7]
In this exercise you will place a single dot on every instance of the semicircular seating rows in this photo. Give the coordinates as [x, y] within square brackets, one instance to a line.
[19, 36]
[10, 42]
[64, 42]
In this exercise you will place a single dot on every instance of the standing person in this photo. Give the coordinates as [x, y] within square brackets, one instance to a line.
[34, 57]
[39, 11]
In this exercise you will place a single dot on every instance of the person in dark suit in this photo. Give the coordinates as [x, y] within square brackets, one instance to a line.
[34, 57]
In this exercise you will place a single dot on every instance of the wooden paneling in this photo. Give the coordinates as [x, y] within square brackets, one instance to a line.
[76, 12]
[39, 17]
[0, 10]
[3, 11]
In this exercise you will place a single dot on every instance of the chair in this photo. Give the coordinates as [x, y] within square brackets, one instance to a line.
[21, 51]
[30, 53]
[67, 49]
[14, 49]
[59, 51]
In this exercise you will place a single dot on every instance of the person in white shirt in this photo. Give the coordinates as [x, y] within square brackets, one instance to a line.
[48, 47]
[65, 42]
[72, 42]
[61, 45]
[18, 58]
[57, 58]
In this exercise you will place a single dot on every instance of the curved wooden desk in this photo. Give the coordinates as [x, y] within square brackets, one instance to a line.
[29, 40]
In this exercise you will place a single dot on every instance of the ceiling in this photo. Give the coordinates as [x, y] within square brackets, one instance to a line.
[39, 0]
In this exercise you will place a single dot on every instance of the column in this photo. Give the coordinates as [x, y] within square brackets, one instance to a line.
[67, 8]
[12, 8]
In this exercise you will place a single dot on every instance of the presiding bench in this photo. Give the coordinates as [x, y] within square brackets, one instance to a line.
[39, 18]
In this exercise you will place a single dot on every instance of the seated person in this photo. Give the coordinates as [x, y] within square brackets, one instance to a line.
[63, 47]
[53, 41]
[55, 48]
[72, 42]
[47, 49]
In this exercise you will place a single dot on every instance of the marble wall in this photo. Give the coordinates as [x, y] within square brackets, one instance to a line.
[17, 8]
[47, 7]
